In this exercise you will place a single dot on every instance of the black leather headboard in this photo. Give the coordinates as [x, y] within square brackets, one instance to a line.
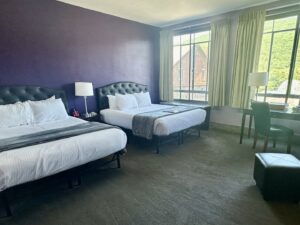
[117, 88]
[13, 94]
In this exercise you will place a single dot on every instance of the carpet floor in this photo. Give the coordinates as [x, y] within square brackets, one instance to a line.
[207, 180]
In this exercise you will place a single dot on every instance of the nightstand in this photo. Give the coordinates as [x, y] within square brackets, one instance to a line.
[95, 118]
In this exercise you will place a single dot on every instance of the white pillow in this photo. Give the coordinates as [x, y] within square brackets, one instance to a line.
[143, 99]
[126, 101]
[112, 102]
[13, 115]
[48, 110]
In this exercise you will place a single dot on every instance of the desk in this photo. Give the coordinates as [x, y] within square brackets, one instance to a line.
[279, 114]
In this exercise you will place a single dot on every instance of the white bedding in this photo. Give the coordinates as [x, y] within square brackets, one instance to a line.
[31, 163]
[162, 126]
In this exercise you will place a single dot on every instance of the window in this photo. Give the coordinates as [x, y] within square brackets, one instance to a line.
[280, 56]
[190, 66]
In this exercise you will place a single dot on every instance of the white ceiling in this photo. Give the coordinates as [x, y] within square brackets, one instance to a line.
[164, 12]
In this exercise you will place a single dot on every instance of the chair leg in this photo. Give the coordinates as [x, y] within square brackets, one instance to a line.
[266, 143]
[254, 141]
[274, 142]
[289, 145]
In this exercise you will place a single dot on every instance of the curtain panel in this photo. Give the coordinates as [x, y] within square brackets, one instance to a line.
[220, 31]
[246, 58]
[166, 66]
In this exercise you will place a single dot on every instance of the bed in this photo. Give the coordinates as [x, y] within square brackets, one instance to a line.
[163, 127]
[28, 163]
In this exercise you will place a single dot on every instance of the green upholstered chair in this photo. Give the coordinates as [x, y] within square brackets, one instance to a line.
[263, 126]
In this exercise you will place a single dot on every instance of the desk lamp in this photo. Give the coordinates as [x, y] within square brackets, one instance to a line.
[258, 79]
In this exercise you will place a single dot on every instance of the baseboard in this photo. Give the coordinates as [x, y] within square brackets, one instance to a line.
[237, 129]
[225, 127]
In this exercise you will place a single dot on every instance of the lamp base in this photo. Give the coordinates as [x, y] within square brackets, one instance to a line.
[86, 115]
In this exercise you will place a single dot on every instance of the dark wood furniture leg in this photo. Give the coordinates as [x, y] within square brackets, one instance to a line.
[289, 145]
[266, 143]
[255, 140]
[242, 128]
[250, 125]
[274, 142]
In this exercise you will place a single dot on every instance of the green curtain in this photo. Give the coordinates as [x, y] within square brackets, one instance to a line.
[220, 31]
[166, 66]
[247, 50]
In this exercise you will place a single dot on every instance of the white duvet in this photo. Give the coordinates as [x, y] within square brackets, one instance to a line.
[162, 126]
[31, 163]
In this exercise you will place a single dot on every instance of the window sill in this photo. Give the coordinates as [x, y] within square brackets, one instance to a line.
[191, 102]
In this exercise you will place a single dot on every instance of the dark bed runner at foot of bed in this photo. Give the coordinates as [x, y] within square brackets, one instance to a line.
[143, 123]
[51, 135]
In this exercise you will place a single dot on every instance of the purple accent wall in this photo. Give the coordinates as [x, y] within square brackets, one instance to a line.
[52, 44]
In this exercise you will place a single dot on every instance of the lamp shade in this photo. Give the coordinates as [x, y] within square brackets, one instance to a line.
[258, 79]
[84, 89]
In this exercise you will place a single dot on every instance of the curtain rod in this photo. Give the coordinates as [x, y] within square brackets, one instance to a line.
[288, 9]
[191, 26]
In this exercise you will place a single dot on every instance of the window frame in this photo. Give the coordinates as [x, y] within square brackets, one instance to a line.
[293, 59]
[192, 45]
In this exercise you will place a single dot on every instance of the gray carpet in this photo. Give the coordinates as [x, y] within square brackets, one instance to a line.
[204, 181]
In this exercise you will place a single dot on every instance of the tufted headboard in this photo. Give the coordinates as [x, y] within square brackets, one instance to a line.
[117, 88]
[13, 94]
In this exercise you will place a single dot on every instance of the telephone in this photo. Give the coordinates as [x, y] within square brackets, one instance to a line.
[89, 115]
[93, 114]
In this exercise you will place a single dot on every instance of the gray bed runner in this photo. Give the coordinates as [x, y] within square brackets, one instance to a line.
[143, 123]
[51, 135]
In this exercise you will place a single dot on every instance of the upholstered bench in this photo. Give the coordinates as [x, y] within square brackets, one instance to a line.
[277, 176]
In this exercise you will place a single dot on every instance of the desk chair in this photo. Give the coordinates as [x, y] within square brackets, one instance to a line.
[263, 126]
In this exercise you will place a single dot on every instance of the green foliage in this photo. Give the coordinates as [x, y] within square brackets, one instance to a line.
[297, 68]
[282, 46]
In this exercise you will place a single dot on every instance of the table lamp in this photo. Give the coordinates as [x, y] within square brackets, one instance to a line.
[258, 79]
[84, 89]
